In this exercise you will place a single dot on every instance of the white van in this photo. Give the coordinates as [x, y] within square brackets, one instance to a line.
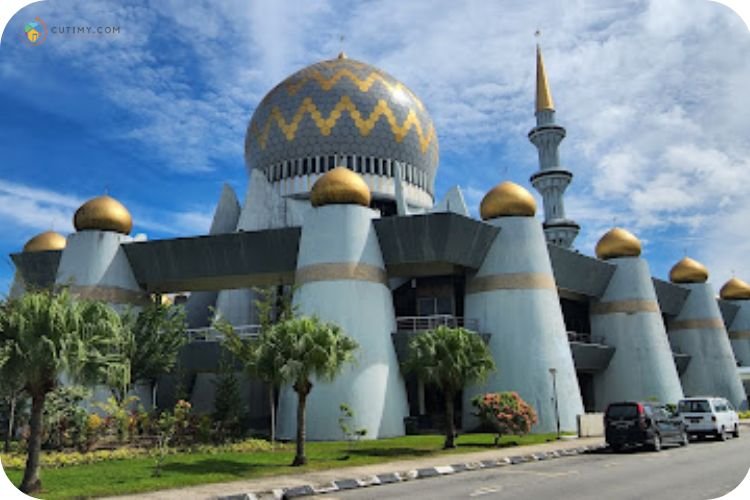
[707, 415]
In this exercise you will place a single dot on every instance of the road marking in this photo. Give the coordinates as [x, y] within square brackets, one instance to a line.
[545, 474]
[485, 491]
[611, 464]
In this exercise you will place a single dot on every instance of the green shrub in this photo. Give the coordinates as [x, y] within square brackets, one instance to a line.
[744, 414]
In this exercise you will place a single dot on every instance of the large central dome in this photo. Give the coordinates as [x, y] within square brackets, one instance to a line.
[344, 112]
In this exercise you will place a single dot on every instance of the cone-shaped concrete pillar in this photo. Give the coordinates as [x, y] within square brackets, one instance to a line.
[739, 332]
[94, 266]
[628, 318]
[341, 279]
[514, 298]
[700, 332]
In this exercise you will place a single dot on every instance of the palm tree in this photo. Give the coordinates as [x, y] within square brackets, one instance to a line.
[45, 334]
[450, 358]
[294, 351]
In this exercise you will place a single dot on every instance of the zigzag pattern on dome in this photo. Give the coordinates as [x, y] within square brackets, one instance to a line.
[325, 125]
[363, 84]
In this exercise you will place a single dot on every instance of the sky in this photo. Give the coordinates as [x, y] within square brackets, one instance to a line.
[653, 94]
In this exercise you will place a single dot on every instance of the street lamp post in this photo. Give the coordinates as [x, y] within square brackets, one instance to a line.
[553, 372]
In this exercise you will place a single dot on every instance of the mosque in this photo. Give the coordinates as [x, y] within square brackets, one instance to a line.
[342, 160]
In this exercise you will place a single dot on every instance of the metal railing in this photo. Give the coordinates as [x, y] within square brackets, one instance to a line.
[211, 334]
[584, 338]
[423, 323]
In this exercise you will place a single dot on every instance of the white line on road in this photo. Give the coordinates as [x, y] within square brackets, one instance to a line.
[485, 491]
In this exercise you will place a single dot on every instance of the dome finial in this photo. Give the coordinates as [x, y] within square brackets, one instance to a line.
[342, 54]
[735, 289]
[507, 199]
[48, 240]
[543, 95]
[618, 242]
[688, 270]
[103, 213]
[340, 186]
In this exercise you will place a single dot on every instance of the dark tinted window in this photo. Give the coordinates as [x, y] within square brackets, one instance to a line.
[622, 411]
[699, 406]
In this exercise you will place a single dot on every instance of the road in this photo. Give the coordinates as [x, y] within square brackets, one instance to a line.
[703, 470]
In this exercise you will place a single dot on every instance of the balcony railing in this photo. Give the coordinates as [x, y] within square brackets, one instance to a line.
[211, 334]
[423, 323]
[584, 338]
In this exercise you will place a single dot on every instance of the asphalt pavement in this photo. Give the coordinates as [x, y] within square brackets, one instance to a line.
[703, 470]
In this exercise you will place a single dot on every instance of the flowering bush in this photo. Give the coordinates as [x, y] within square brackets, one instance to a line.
[506, 412]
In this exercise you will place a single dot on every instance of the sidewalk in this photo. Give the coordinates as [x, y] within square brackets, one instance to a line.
[413, 468]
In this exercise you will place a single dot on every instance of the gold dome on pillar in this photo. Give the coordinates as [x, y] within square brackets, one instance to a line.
[507, 199]
[48, 240]
[103, 213]
[618, 242]
[340, 186]
[735, 289]
[688, 271]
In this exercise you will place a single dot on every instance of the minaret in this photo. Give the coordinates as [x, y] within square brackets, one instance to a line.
[551, 179]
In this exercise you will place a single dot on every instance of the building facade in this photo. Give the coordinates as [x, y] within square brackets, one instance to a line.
[342, 160]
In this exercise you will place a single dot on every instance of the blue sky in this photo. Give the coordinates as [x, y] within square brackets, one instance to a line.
[652, 93]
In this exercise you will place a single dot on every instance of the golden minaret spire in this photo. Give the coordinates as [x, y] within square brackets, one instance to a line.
[543, 94]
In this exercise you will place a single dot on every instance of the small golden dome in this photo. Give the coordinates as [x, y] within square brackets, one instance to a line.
[507, 199]
[103, 213]
[688, 271]
[48, 240]
[340, 186]
[342, 55]
[618, 242]
[735, 289]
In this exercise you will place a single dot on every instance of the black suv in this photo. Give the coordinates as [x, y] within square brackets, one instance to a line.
[633, 423]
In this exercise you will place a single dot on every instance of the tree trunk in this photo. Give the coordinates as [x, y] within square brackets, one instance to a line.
[272, 401]
[450, 427]
[31, 482]
[303, 389]
[154, 387]
[11, 421]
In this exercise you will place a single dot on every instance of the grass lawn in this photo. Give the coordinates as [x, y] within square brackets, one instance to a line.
[186, 469]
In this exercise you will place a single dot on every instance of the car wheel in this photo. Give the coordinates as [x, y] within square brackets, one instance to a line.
[722, 435]
[684, 439]
[736, 432]
[656, 446]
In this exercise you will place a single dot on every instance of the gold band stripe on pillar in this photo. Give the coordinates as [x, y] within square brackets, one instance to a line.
[696, 324]
[511, 281]
[740, 335]
[624, 306]
[110, 294]
[340, 271]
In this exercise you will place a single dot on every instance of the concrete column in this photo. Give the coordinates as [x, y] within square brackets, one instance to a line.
[514, 297]
[341, 279]
[94, 266]
[739, 332]
[699, 331]
[628, 318]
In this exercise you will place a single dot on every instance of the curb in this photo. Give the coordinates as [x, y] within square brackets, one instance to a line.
[398, 477]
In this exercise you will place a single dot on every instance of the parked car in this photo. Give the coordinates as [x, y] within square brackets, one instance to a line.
[642, 424]
[704, 416]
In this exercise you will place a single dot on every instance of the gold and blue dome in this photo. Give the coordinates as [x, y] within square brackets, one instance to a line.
[343, 112]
